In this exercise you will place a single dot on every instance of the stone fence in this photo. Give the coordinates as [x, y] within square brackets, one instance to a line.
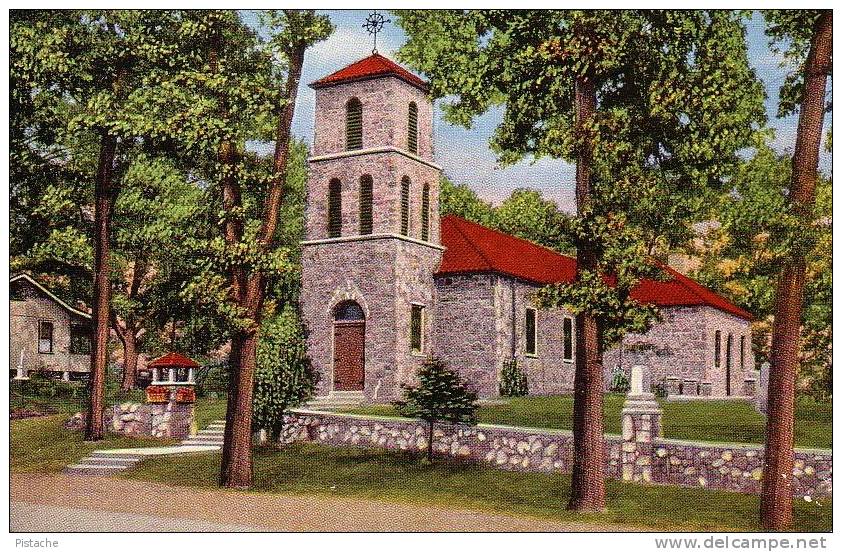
[168, 414]
[639, 454]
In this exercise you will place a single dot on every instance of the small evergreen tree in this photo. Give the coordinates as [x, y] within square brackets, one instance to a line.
[441, 396]
[284, 377]
[513, 382]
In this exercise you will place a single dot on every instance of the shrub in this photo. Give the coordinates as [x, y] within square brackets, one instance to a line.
[659, 388]
[440, 396]
[513, 381]
[284, 377]
[619, 381]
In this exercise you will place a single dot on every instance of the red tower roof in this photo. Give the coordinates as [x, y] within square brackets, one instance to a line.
[173, 360]
[471, 247]
[371, 67]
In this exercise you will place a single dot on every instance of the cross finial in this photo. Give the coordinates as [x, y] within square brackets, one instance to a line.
[374, 24]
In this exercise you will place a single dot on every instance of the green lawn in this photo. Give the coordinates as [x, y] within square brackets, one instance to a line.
[43, 445]
[723, 421]
[401, 477]
[209, 410]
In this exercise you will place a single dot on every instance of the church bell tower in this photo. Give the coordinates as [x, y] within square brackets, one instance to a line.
[372, 231]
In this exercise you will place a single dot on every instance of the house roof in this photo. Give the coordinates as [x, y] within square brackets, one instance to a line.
[27, 278]
[471, 247]
[373, 66]
[175, 360]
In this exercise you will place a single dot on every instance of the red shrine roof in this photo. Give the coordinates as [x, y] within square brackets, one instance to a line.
[471, 247]
[371, 67]
[175, 360]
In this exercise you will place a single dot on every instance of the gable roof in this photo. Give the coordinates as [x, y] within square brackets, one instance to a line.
[471, 247]
[373, 66]
[27, 278]
[173, 359]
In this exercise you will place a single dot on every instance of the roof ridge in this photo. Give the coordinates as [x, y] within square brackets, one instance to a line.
[28, 277]
[512, 236]
[695, 287]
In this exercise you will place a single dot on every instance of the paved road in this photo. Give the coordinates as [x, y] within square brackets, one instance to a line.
[103, 504]
[41, 518]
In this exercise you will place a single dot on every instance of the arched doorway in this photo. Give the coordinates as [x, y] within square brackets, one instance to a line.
[348, 347]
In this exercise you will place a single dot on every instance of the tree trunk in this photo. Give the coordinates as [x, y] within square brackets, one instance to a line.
[588, 479]
[236, 458]
[776, 496]
[103, 208]
[129, 339]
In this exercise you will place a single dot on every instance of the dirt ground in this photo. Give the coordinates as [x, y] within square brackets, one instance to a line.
[262, 512]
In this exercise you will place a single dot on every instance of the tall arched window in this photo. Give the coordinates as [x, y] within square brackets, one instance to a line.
[412, 139]
[366, 194]
[334, 209]
[425, 212]
[405, 206]
[353, 124]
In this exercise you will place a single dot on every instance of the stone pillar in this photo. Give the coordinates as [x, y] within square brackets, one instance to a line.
[763, 388]
[673, 386]
[641, 419]
[171, 375]
[691, 387]
[156, 375]
[65, 376]
[191, 375]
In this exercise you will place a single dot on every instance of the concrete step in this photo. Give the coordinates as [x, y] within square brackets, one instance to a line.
[114, 455]
[211, 432]
[100, 460]
[94, 469]
[191, 442]
[204, 437]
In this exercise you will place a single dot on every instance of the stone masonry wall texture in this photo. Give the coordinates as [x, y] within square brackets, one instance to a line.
[727, 466]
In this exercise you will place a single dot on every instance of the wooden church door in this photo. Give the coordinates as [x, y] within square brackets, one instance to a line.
[348, 348]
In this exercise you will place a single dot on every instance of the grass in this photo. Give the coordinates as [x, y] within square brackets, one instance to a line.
[209, 410]
[720, 421]
[44, 445]
[402, 477]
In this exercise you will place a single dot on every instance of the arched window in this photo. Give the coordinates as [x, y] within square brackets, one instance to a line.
[425, 212]
[366, 194]
[412, 138]
[334, 209]
[348, 311]
[405, 206]
[353, 124]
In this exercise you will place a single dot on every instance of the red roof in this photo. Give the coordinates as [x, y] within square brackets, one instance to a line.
[471, 247]
[371, 67]
[175, 360]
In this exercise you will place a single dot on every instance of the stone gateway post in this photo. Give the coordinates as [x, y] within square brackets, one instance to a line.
[641, 425]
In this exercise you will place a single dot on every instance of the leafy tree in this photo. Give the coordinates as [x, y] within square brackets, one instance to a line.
[284, 378]
[645, 102]
[440, 396]
[462, 201]
[808, 35]
[525, 213]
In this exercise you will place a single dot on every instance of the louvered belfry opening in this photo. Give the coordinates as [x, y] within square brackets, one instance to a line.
[334, 209]
[405, 206]
[425, 213]
[366, 204]
[412, 138]
[354, 124]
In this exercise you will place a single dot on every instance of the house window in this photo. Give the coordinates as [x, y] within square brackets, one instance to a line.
[567, 328]
[531, 332]
[354, 124]
[412, 139]
[405, 206]
[425, 213]
[717, 355]
[80, 340]
[742, 352]
[366, 187]
[334, 209]
[416, 325]
[45, 337]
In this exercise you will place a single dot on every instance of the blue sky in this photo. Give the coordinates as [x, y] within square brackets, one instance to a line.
[464, 153]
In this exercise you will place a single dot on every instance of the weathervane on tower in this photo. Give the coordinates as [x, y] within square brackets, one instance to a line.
[374, 24]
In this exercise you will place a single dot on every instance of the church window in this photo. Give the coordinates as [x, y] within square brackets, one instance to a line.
[742, 352]
[717, 354]
[405, 206]
[348, 311]
[531, 332]
[45, 336]
[567, 328]
[425, 213]
[416, 325]
[354, 124]
[366, 194]
[334, 209]
[412, 139]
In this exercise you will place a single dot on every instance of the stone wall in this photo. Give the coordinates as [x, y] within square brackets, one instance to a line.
[170, 420]
[638, 455]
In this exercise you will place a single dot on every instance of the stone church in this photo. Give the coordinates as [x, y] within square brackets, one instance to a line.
[387, 282]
